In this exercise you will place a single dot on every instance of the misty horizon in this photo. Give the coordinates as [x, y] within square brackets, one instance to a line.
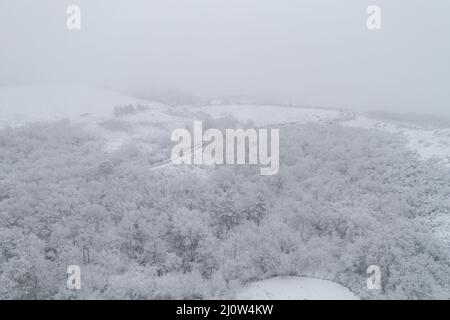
[315, 53]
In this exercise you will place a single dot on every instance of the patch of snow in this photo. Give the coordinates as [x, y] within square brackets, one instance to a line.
[295, 288]
[428, 143]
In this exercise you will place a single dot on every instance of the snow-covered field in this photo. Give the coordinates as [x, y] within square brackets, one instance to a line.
[295, 288]
[428, 143]
[22, 104]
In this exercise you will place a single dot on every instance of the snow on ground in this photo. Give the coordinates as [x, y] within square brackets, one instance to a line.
[428, 143]
[22, 104]
[295, 288]
[93, 109]
[263, 115]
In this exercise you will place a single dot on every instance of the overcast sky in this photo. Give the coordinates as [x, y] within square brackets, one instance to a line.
[316, 52]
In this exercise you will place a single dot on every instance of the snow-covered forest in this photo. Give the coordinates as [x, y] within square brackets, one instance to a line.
[346, 197]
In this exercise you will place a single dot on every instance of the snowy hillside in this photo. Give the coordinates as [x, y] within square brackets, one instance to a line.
[101, 111]
[21, 104]
[94, 108]
[427, 142]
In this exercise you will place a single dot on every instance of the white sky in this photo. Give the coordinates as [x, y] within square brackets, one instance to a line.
[317, 52]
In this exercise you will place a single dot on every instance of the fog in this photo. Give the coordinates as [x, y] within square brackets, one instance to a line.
[312, 52]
